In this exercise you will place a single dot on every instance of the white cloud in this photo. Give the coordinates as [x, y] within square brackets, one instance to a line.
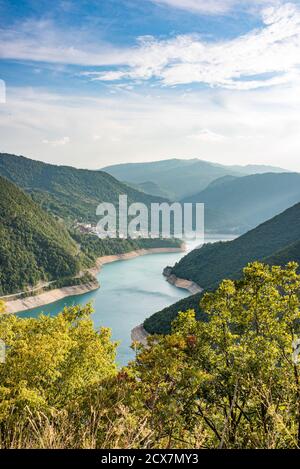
[260, 126]
[105, 76]
[207, 135]
[43, 41]
[58, 142]
[264, 57]
[214, 7]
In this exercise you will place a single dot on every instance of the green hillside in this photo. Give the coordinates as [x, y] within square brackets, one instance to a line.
[179, 178]
[69, 193]
[34, 246]
[240, 204]
[212, 263]
[93, 247]
[275, 242]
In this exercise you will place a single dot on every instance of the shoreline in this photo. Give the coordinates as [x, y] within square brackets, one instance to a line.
[130, 255]
[139, 333]
[51, 296]
[48, 297]
[183, 283]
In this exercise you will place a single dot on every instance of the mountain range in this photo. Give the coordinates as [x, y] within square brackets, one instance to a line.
[238, 204]
[39, 204]
[179, 178]
[67, 192]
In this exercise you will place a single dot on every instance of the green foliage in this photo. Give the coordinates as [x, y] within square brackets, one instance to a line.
[161, 322]
[2, 307]
[275, 242]
[229, 382]
[84, 279]
[33, 245]
[49, 363]
[213, 262]
[37, 247]
[94, 247]
[69, 193]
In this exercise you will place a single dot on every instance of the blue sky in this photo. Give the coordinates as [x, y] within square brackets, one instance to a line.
[91, 83]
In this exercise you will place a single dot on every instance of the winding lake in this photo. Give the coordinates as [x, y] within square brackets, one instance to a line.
[130, 291]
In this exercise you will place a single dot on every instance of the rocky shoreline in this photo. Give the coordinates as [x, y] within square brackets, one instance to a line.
[139, 334]
[192, 287]
[130, 255]
[47, 297]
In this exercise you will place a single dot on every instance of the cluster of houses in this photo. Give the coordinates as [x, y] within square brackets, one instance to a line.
[89, 228]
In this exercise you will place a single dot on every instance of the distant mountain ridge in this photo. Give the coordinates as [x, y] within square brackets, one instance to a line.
[149, 188]
[179, 178]
[238, 204]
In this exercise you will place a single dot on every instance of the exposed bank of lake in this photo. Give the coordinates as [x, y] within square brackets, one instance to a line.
[130, 292]
[46, 297]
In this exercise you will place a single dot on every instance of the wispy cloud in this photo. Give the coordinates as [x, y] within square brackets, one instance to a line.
[217, 125]
[214, 7]
[207, 135]
[267, 56]
[43, 41]
[264, 57]
[57, 142]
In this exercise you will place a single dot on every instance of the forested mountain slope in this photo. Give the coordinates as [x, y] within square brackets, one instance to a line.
[275, 242]
[34, 246]
[212, 263]
[70, 193]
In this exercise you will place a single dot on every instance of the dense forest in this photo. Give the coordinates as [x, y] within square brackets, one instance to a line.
[273, 242]
[93, 247]
[229, 382]
[212, 263]
[34, 246]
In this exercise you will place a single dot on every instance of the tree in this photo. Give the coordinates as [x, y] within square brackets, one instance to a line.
[50, 363]
[230, 382]
[233, 377]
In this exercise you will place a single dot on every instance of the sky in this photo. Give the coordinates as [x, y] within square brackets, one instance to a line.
[90, 83]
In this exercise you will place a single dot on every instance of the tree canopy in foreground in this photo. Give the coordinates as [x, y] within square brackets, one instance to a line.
[231, 382]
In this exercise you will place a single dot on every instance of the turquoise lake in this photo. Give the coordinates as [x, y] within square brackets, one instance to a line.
[129, 292]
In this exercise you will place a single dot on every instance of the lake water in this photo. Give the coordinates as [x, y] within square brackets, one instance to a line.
[130, 291]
